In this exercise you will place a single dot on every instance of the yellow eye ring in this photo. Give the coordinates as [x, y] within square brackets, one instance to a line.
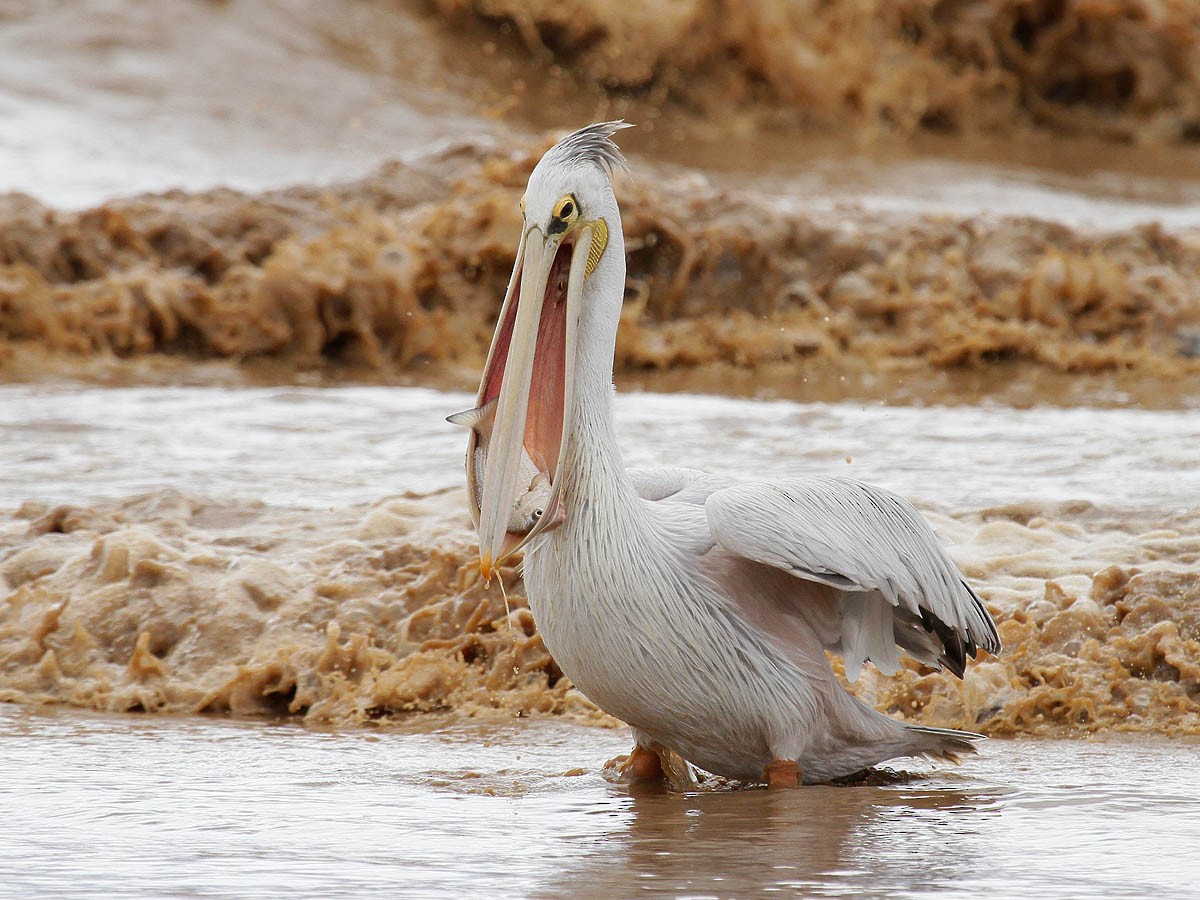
[567, 208]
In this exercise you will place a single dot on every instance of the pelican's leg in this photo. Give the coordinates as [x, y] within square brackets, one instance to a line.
[782, 773]
[644, 763]
[651, 763]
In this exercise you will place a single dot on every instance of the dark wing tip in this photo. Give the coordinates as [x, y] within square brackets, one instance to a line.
[955, 649]
[991, 637]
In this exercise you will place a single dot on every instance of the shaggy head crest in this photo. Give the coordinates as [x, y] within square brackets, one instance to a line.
[592, 143]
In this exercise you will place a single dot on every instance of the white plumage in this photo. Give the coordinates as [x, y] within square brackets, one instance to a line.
[696, 608]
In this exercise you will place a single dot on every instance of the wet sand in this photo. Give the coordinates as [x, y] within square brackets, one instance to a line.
[145, 806]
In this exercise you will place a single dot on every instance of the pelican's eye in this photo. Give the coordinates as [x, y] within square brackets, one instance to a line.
[566, 211]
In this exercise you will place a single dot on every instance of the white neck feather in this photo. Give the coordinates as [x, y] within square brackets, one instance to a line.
[595, 471]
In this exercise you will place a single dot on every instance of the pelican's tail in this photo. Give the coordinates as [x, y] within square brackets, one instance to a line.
[943, 743]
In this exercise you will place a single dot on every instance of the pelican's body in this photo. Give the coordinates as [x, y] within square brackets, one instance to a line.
[695, 608]
[681, 665]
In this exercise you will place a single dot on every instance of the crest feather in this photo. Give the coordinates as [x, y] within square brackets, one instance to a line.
[593, 143]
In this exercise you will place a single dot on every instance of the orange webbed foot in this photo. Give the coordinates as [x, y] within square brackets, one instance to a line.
[643, 764]
[653, 764]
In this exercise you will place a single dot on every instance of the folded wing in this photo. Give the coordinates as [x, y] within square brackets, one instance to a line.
[898, 588]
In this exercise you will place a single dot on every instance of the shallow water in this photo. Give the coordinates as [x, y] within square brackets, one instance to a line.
[262, 550]
[104, 99]
[140, 807]
[339, 446]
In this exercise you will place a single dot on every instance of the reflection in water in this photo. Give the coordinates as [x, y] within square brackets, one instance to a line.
[819, 840]
[1017, 822]
[99, 805]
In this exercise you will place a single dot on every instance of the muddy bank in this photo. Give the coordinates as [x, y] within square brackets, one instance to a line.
[1124, 70]
[172, 602]
[400, 276]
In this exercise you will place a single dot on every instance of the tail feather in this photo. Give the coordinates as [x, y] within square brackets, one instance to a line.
[944, 743]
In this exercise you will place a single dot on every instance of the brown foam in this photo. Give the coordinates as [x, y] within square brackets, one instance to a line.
[1098, 615]
[400, 277]
[168, 602]
[1113, 69]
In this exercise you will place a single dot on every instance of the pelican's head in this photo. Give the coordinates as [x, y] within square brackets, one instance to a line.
[570, 236]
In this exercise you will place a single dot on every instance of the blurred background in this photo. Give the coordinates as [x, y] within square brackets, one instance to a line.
[855, 183]
[251, 255]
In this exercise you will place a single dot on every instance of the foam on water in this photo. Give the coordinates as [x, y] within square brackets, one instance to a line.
[308, 551]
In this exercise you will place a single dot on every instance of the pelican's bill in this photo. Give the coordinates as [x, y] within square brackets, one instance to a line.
[529, 379]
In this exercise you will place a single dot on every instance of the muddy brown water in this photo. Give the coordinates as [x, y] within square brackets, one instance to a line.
[261, 550]
[315, 447]
[106, 99]
[119, 806]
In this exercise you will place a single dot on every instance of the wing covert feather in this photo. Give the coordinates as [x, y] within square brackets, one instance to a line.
[675, 483]
[868, 542]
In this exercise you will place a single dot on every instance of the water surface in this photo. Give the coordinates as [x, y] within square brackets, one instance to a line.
[338, 446]
[126, 806]
[107, 99]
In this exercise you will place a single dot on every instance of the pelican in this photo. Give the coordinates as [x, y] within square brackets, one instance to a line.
[696, 608]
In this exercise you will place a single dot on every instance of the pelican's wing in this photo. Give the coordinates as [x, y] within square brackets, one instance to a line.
[896, 585]
[679, 485]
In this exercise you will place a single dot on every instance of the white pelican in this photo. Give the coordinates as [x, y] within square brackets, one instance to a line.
[694, 607]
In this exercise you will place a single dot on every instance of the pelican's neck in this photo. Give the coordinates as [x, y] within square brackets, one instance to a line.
[595, 473]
